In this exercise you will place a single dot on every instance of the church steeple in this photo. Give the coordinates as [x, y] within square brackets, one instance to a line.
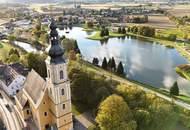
[59, 91]
[55, 50]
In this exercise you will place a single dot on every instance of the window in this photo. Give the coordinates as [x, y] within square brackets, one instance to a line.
[63, 106]
[45, 113]
[47, 126]
[61, 74]
[62, 91]
[28, 112]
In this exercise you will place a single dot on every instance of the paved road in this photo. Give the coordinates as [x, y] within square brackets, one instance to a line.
[83, 121]
[10, 118]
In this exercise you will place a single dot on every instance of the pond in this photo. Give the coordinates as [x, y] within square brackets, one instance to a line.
[144, 61]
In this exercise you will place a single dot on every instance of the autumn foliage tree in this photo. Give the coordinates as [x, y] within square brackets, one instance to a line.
[114, 114]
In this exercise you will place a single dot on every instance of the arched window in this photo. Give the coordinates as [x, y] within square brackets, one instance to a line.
[61, 74]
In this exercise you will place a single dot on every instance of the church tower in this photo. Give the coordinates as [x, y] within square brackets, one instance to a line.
[59, 85]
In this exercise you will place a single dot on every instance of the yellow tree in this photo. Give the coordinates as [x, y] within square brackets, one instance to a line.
[114, 114]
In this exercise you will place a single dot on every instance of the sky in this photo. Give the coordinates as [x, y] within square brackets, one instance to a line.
[3, 1]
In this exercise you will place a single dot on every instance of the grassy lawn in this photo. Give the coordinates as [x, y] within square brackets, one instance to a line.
[184, 98]
[97, 36]
[4, 50]
[113, 34]
[184, 73]
[88, 29]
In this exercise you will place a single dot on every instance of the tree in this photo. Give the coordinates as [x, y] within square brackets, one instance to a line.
[174, 90]
[106, 32]
[119, 30]
[89, 24]
[113, 65]
[80, 85]
[95, 61]
[123, 30]
[172, 37]
[60, 19]
[154, 111]
[62, 37]
[104, 63]
[69, 45]
[102, 33]
[37, 62]
[11, 38]
[120, 69]
[114, 114]
[13, 58]
[72, 55]
[109, 64]
[14, 51]
[135, 97]
[142, 118]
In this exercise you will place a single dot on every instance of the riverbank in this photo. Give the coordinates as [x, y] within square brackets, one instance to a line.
[167, 43]
[115, 77]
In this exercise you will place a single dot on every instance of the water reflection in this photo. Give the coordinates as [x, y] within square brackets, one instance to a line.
[143, 61]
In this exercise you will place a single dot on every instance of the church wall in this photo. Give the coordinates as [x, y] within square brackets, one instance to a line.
[23, 112]
[58, 110]
[64, 122]
[44, 113]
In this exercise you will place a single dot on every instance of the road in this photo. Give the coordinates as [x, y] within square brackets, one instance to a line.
[10, 118]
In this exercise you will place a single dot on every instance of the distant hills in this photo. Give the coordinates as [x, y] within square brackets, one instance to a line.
[53, 1]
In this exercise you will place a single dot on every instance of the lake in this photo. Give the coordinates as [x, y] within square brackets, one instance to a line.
[143, 61]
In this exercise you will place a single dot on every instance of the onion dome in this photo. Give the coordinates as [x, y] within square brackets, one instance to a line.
[55, 50]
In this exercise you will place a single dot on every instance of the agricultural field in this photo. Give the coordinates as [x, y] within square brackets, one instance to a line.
[158, 22]
[117, 5]
[180, 10]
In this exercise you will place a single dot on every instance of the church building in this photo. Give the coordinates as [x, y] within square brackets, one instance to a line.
[48, 102]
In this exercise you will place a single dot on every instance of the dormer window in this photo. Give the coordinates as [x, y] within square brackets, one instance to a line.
[61, 74]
